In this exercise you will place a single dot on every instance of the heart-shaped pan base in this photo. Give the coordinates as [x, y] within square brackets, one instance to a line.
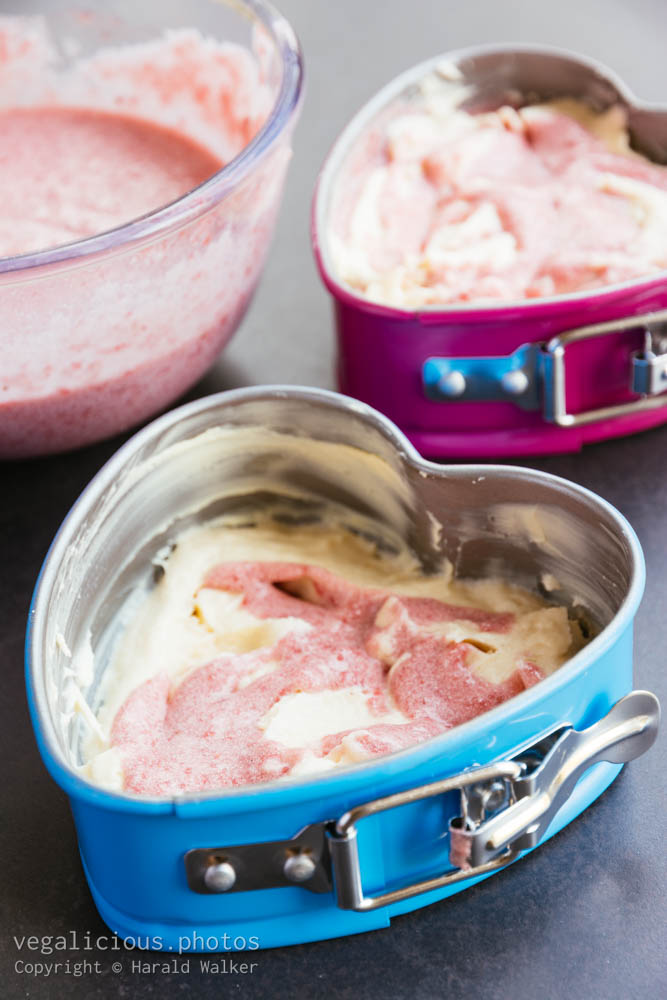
[235, 451]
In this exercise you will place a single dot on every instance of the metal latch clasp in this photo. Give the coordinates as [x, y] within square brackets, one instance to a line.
[648, 372]
[533, 377]
[649, 367]
[506, 807]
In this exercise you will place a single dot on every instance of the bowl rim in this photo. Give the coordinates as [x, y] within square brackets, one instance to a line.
[353, 777]
[356, 125]
[199, 200]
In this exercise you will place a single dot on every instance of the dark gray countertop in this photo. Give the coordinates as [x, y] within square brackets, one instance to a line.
[584, 916]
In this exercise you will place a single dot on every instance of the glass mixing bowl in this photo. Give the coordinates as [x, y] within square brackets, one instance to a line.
[101, 333]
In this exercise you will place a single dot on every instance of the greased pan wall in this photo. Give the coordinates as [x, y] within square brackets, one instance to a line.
[196, 462]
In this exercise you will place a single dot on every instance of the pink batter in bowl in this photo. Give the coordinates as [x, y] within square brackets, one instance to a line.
[491, 378]
[101, 332]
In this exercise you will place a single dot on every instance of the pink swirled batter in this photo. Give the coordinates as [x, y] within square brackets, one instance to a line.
[434, 205]
[210, 730]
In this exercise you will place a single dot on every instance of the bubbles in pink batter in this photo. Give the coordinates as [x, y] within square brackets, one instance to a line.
[86, 146]
[207, 732]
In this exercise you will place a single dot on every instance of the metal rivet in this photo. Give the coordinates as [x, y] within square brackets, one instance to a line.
[299, 867]
[452, 384]
[514, 382]
[219, 878]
